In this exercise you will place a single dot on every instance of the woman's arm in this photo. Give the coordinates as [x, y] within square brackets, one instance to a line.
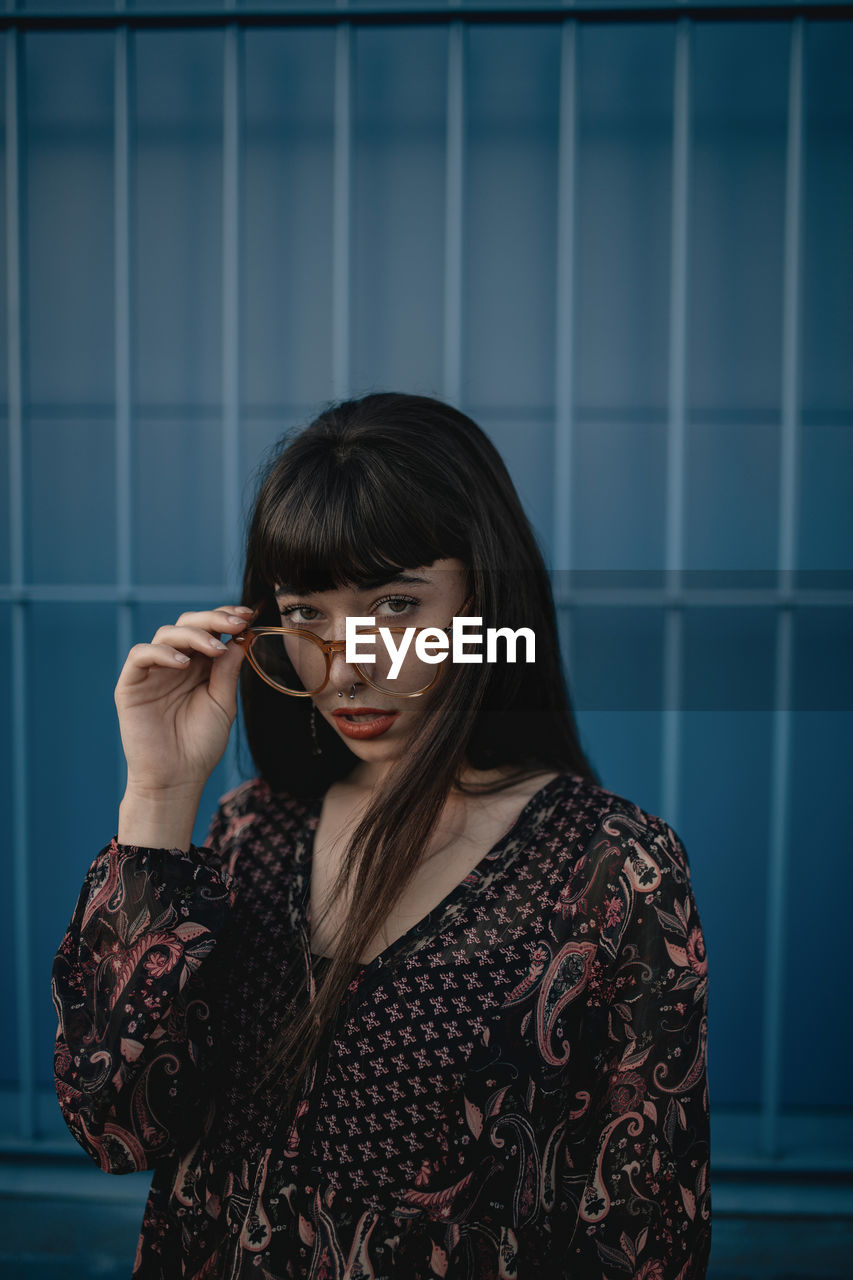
[636, 1193]
[134, 994]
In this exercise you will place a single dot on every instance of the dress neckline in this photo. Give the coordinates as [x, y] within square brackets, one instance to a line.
[513, 838]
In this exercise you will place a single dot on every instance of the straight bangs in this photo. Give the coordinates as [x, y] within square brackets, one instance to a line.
[343, 525]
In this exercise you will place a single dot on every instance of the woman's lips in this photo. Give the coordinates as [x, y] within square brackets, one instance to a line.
[370, 722]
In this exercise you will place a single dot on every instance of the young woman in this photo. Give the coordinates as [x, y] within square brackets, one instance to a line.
[430, 1001]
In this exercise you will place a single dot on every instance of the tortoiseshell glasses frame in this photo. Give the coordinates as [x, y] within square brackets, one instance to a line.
[328, 648]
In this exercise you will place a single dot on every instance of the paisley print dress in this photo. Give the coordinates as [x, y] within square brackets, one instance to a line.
[516, 1088]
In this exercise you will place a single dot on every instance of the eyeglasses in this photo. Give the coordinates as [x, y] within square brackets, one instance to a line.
[299, 662]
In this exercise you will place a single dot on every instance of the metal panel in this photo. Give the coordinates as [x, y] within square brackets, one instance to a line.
[342, 212]
[19, 673]
[231, 168]
[455, 212]
[777, 943]
[400, 210]
[564, 392]
[123, 346]
[330, 14]
[674, 547]
[162, 424]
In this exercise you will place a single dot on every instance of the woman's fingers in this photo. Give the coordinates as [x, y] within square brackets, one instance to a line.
[193, 637]
[213, 619]
[143, 656]
[173, 645]
[170, 648]
[224, 678]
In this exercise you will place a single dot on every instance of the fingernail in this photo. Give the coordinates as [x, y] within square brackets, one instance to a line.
[243, 608]
[233, 618]
[217, 644]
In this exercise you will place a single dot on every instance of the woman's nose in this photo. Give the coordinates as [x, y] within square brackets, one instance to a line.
[342, 674]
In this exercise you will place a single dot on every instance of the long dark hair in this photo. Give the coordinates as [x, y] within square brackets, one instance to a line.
[373, 486]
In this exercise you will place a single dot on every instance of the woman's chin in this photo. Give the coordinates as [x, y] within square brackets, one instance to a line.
[384, 750]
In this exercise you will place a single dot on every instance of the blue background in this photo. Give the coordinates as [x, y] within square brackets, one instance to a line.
[725, 706]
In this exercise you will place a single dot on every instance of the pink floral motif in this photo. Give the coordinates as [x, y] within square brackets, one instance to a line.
[651, 1270]
[627, 1091]
[614, 909]
[162, 958]
[696, 952]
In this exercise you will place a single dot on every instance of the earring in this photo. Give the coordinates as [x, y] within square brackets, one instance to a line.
[316, 749]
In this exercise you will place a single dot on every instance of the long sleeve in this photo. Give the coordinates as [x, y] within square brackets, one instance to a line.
[130, 986]
[638, 1201]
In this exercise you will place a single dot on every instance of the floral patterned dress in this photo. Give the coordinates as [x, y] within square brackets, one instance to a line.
[515, 1088]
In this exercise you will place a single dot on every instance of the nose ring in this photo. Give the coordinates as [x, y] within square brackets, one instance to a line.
[351, 693]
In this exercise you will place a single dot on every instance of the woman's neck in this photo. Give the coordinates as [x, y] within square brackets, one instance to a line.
[366, 778]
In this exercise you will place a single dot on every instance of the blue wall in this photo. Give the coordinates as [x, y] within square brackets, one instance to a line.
[640, 398]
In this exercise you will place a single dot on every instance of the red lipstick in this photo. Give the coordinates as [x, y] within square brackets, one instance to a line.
[370, 722]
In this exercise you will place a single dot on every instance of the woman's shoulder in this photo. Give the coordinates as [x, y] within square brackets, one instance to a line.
[597, 823]
[258, 795]
[255, 818]
[624, 871]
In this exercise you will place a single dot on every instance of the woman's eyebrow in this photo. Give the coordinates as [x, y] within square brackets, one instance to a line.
[372, 584]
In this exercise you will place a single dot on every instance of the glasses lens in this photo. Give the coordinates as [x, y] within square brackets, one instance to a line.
[413, 675]
[293, 662]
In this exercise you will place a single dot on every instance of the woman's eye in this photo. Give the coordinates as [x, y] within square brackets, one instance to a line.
[291, 611]
[393, 601]
[305, 613]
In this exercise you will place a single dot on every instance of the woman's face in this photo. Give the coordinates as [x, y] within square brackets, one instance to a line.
[376, 725]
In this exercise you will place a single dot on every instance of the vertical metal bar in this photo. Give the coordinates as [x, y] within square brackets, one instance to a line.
[342, 212]
[774, 967]
[454, 212]
[677, 406]
[122, 310]
[788, 496]
[231, 142]
[20, 753]
[566, 218]
[121, 213]
[14, 316]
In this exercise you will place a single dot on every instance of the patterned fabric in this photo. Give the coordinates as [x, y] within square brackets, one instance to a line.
[515, 1088]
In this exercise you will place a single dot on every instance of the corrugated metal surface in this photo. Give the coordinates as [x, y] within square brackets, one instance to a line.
[620, 241]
